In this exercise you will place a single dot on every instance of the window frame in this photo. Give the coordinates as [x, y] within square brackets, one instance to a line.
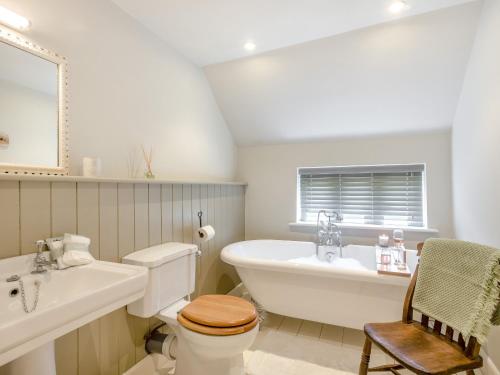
[424, 228]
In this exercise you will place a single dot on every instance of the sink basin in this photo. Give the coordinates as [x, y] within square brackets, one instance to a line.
[68, 299]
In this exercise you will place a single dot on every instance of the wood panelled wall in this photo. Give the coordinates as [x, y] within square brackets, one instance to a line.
[120, 218]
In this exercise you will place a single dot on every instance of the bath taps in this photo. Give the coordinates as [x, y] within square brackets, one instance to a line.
[39, 263]
[329, 236]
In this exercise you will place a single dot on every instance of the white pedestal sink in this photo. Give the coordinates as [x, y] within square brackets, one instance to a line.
[40, 361]
[68, 300]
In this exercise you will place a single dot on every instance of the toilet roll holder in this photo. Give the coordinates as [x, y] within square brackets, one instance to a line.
[200, 215]
[204, 234]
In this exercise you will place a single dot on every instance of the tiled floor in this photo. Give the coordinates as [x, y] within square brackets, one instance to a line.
[288, 346]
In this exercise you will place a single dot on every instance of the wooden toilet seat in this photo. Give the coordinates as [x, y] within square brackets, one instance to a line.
[219, 315]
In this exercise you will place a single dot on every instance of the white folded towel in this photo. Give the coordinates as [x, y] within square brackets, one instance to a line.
[70, 250]
[77, 258]
[76, 251]
[56, 247]
[74, 242]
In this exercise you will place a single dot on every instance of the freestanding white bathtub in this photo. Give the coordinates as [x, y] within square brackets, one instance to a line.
[286, 278]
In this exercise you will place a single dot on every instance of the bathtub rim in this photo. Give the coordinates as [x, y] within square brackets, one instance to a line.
[228, 256]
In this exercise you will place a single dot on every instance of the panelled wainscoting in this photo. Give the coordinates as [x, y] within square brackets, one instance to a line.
[120, 218]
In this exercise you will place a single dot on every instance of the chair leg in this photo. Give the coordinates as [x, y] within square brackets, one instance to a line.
[365, 357]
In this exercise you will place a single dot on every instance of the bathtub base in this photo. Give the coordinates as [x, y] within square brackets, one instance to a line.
[286, 278]
[345, 303]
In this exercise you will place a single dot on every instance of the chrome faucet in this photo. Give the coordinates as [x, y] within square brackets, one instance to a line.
[39, 262]
[329, 236]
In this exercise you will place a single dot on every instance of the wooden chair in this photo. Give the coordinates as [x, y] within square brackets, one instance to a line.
[424, 347]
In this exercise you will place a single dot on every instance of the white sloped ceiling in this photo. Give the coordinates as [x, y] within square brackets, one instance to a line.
[214, 31]
[403, 76]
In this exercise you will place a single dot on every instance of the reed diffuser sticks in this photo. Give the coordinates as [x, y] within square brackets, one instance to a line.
[148, 159]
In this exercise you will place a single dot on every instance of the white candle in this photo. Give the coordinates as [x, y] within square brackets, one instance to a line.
[91, 167]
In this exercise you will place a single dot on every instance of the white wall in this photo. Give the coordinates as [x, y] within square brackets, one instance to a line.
[476, 137]
[398, 77]
[32, 133]
[271, 175]
[126, 88]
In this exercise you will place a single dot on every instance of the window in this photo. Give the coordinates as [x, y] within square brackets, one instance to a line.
[384, 195]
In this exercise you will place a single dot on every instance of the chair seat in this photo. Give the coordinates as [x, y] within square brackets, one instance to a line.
[419, 350]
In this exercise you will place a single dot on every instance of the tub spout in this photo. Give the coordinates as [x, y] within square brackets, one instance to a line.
[329, 235]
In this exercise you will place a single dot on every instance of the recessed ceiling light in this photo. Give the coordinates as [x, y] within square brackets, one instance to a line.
[250, 46]
[14, 20]
[398, 6]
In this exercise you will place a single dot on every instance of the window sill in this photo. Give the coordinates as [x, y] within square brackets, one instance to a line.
[352, 230]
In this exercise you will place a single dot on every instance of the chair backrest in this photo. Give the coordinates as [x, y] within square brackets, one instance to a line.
[470, 348]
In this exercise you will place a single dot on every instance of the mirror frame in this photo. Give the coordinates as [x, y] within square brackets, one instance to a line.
[18, 41]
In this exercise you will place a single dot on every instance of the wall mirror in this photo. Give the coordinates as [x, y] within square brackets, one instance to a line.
[33, 105]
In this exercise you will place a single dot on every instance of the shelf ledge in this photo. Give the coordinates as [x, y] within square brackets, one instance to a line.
[23, 177]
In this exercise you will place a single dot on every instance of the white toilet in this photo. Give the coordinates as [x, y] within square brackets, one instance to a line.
[212, 331]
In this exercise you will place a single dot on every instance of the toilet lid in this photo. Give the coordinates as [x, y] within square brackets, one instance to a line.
[220, 311]
[216, 331]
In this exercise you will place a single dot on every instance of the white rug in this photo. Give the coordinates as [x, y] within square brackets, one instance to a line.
[263, 363]
[256, 363]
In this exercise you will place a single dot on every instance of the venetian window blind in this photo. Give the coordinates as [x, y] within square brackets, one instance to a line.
[385, 195]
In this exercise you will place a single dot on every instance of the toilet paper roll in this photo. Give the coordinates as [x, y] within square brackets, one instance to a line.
[206, 233]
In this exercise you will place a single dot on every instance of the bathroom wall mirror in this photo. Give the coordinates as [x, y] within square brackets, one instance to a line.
[33, 105]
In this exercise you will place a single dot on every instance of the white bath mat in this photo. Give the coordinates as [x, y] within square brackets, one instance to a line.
[256, 363]
[263, 363]
[153, 364]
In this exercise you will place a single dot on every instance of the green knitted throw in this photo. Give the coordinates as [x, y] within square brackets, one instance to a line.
[458, 284]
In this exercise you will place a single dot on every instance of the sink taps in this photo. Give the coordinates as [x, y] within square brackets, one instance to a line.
[39, 262]
[329, 236]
